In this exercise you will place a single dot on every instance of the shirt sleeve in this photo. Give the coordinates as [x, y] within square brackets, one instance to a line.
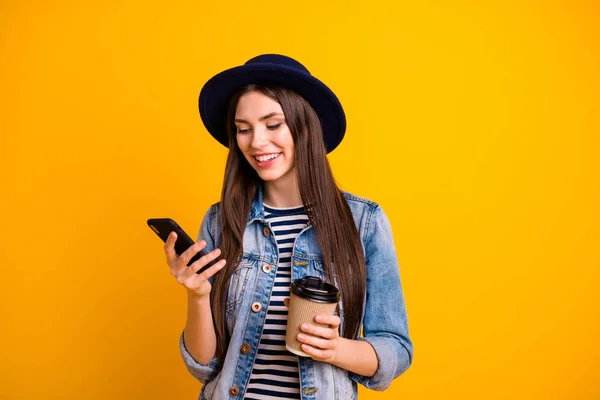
[385, 324]
[203, 373]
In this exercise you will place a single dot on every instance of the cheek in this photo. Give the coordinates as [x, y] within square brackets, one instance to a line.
[287, 141]
[292, 147]
[242, 142]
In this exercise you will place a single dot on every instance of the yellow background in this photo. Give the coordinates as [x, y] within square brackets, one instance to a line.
[474, 124]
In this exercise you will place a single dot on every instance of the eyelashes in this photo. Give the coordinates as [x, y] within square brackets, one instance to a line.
[269, 127]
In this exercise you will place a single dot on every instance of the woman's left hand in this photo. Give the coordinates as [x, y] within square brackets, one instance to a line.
[320, 342]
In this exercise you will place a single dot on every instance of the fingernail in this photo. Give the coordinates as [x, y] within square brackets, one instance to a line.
[318, 318]
[305, 327]
[301, 337]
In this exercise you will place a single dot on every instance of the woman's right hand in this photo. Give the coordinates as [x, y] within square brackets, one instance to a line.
[197, 285]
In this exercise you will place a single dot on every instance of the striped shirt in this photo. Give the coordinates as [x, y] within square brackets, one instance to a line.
[275, 372]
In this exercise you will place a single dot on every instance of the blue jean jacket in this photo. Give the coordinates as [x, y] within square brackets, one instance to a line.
[384, 323]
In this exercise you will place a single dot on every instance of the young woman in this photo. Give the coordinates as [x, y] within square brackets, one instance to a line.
[282, 217]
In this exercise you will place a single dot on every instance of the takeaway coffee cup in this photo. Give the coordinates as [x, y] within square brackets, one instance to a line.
[309, 296]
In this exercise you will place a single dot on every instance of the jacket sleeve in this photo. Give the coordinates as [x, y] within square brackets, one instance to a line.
[203, 373]
[385, 324]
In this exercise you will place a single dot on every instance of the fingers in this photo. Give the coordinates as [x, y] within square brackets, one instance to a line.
[318, 342]
[170, 249]
[202, 262]
[286, 302]
[187, 255]
[331, 320]
[319, 354]
[188, 276]
[320, 331]
[192, 280]
[212, 270]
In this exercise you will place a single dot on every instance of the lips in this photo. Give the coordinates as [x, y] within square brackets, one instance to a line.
[266, 157]
[266, 160]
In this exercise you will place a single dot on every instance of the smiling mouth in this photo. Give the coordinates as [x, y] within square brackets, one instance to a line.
[267, 157]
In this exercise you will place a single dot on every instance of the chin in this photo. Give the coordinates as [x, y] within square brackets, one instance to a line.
[269, 176]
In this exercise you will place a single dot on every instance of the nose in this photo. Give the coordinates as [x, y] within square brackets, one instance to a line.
[259, 137]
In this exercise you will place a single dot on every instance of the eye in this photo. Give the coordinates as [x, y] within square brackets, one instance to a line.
[242, 131]
[273, 127]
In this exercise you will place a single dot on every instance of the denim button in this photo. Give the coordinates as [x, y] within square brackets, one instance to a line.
[267, 268]
[234, 390]
[245, 349]
[266, 231]
[256, 306]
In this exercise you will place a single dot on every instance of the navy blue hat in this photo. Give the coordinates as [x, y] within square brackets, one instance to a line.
[271, 69]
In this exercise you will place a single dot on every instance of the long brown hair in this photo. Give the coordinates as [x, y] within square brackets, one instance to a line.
[324, 203]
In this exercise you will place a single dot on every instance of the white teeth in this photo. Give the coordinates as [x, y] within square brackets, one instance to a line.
[266, 158]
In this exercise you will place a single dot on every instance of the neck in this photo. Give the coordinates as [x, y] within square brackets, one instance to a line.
[282, 192]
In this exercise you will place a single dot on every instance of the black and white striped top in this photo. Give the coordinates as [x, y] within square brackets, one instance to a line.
[275, 372]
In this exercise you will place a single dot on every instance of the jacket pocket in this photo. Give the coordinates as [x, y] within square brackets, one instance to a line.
[237, 284]
[318, 269]
[236, 290]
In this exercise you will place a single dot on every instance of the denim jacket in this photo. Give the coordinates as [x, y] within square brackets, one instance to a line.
[384, 323]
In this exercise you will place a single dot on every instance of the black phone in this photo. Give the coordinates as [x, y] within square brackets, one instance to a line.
[164, 226]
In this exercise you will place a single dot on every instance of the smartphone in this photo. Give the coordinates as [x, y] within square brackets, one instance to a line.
[164, 226]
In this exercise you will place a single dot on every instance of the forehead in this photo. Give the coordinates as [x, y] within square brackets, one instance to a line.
[253, 105]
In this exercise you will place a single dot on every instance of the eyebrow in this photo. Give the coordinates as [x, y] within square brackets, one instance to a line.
[260, 119]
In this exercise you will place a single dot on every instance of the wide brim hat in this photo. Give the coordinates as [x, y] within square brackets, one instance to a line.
[271, 69]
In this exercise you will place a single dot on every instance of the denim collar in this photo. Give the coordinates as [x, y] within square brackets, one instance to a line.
[257, 210]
